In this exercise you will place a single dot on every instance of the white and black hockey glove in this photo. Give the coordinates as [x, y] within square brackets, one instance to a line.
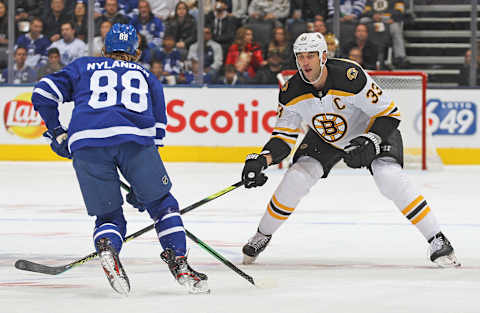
[252, 174]
[362, 150]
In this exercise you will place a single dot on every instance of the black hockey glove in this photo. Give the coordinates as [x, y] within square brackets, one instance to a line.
[58, 141]
[252, 175]
[362, 150]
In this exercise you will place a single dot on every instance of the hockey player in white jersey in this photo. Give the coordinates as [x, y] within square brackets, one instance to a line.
[350, 117]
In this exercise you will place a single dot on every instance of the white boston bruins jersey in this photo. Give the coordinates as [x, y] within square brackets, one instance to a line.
[345, 108]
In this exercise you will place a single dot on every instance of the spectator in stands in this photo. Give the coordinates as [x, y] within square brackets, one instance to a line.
[98, 42]
[239, 9]
[245, 54]
[222, 25]
[464, 79]
[350, 11]
[355, 54]
[148, 25]
[35, 43]
[280, 46]
[3, 35]
[156, 67]
[296, 25]
[232, 77]
[164, 9]
[80, 19]
[387, 21]
[125, 7]
[169, 56]
[146, 56]
[111, 14]
[22, 74]
[192, 5]
[332, 45]
[190, 75]
[213, 54]
[53, 19]
[30, 9]
[182, 26]
[53, 64]
[369, 49]
[269, 9]
[310, 8]
[267, 74]
[70, 48]
[320, 27]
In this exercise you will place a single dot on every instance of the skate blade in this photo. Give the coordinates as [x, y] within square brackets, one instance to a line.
[118, 283]
[199, 287]
[248, 259]
[447, 261]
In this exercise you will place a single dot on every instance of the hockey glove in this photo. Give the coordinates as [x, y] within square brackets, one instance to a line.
[58, 141]
[252, 175]
[362, 150]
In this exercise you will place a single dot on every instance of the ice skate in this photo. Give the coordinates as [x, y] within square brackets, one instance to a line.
[194, 281]
[112, 267]
[441, 251]
[254, 246]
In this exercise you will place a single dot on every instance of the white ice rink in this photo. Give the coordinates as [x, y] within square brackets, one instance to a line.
[345, 249]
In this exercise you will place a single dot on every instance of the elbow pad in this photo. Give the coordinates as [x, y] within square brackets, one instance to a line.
[278, 149]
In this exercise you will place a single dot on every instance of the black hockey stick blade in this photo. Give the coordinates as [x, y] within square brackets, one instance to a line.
[26, 265]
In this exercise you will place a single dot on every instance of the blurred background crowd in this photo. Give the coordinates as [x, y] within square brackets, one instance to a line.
[245, 41]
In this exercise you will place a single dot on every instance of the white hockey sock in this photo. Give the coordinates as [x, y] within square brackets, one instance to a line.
[296, 183]
[394, 184]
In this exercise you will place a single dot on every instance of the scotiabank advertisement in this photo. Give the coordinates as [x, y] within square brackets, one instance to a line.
[244, 117]
[220, 116]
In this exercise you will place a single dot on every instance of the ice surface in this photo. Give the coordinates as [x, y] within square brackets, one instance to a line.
[345, 249]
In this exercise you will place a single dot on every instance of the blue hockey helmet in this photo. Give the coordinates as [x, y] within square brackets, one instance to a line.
[121, 37]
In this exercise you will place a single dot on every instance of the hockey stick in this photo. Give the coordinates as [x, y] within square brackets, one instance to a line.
[55, 270]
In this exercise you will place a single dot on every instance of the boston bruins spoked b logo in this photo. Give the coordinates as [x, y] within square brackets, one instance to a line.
[331, 127]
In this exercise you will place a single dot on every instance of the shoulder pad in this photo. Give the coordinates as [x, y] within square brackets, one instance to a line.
[294, 89]
[346, 75]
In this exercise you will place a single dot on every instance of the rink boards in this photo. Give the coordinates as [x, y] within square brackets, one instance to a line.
[225, 124]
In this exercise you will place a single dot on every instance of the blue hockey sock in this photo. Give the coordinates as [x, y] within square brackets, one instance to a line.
[171, 232]
[168, 224]
[112, 226]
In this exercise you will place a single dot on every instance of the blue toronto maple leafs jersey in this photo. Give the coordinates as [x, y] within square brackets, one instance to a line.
[114, 102]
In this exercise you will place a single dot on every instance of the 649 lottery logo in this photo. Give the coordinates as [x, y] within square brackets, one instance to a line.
[450, 117]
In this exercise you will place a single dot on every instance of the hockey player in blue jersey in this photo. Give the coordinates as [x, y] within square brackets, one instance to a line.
[117, 122]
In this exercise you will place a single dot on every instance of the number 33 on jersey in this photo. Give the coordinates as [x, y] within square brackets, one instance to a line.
[112, 104]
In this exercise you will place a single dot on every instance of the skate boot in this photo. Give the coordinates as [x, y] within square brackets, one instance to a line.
[112, 267]
[254, 246]
[441, 251]
[194, 281]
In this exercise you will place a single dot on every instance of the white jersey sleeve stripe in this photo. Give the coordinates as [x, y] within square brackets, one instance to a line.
[110, 132]
[45, 94]
[158, 142]
[160, 125]
[289, 141]
[54, 88]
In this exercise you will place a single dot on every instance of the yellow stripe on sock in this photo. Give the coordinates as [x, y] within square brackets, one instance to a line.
[275, 215]
[281, 206]
[412, 205]
[421, 216]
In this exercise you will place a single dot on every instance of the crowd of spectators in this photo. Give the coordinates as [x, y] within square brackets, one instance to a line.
[245, 41]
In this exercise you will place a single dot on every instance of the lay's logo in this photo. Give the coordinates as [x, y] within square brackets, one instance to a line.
[21, 119]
